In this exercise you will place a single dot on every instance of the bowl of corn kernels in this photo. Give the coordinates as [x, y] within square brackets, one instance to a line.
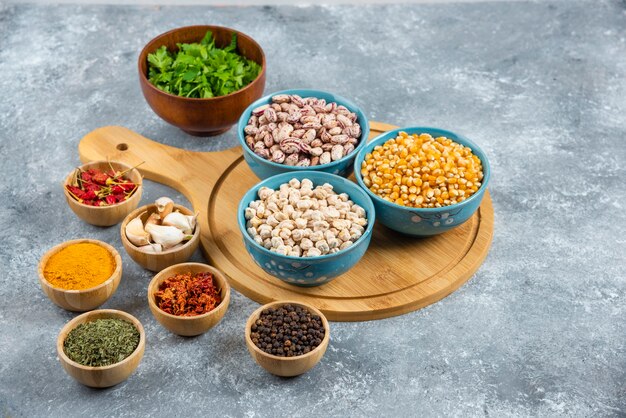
[423, 181]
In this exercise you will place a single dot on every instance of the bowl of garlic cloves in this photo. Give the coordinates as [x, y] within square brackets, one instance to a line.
[160, 235]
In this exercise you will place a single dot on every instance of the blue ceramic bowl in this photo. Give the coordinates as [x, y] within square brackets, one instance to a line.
[264, 168]
[308, 271]
[427, 221]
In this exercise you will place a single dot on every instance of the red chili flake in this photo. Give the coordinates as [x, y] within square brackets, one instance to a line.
[91, 187]
[128, 186]
[100, 178]
[78, 193]
[188, 295]
[85, 176]
[110, 199]
[89, 195]
[100, 188]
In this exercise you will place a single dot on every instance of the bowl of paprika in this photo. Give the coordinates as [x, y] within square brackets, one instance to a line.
[80, 275]
[189, 298]
[102, 193]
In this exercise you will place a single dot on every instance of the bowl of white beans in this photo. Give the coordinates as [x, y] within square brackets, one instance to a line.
[306, 228]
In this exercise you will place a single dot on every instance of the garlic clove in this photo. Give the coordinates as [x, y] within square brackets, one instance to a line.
[136, 233]
[151, 248]
[167, 236]
[161, 202]
[178, 246]
[164, 205]
[193, 220]
[154, 218]
[179, 221]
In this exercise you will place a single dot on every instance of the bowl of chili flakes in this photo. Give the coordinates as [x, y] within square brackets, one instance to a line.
[189, 298]
[102, 193]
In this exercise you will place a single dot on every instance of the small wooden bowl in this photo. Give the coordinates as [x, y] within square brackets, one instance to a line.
[104, 376]
[287, 366]
[159, 261]
[86, 299]
[202, 117]
[105, 215]
[189, 326]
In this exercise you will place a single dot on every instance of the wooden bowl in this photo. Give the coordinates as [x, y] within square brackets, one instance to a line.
[189, 326]
[202, 117]
[86, 299]
[169, 257]
[105, 215]
[103, 376]
[287, 366]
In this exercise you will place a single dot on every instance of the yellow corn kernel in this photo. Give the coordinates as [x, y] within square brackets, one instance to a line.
[421, 171]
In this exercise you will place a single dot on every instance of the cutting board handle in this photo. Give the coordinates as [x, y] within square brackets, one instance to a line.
[183, 170]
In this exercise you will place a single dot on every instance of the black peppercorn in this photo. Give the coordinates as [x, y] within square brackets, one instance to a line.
[287, 331]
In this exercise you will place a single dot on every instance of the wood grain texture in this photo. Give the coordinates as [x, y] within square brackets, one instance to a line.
[398, 274]
[85, 299]
[189, 326]
[104, 376]
[287, 366]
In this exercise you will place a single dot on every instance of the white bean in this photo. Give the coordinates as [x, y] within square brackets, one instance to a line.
[303, 221]
[249, 213]
[344, 235]
[297, 234]
[313, 252]
[345, 245]
[285, 233]
[306, 243]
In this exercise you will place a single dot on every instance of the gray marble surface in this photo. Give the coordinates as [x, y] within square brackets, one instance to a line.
[540, 330]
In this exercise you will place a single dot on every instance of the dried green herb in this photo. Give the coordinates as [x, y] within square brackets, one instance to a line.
[201, 70]
[101, 342]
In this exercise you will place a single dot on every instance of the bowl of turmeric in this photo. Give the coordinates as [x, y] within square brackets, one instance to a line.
[80, 275]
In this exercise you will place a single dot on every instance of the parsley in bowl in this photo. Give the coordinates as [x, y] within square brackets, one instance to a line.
[201, 70]
[201, 78]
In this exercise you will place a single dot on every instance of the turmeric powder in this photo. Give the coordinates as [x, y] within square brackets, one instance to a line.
[79, 266]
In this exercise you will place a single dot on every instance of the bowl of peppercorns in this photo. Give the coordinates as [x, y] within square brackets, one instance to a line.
[287, 338]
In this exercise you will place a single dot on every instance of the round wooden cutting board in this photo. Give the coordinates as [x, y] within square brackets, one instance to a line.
[398, 274]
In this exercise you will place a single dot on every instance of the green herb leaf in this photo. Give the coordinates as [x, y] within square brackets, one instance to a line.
[201, 70]
[101, 342]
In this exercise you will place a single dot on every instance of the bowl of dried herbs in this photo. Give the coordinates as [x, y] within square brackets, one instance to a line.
[101, 348]
[201, 78]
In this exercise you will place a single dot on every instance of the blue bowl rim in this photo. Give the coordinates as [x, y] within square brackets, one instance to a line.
[365, 128]
[371, 217]
[385, 136]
